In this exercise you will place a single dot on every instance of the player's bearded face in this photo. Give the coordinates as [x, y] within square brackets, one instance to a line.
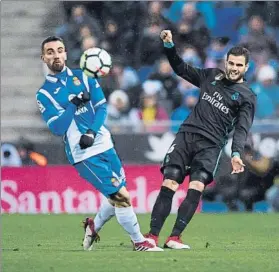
[54, 56]
[235, 68]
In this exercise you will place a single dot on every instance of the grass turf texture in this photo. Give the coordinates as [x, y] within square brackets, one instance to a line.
[220, 242]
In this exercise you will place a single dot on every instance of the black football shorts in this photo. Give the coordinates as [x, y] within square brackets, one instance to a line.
[193, 152]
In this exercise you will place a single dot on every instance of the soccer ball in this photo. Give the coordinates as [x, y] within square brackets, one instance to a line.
[95, 62]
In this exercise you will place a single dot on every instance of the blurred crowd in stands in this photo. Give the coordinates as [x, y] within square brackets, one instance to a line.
[142, 88]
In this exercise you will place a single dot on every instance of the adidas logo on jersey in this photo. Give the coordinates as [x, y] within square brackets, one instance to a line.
[215, 101]
[81, 110]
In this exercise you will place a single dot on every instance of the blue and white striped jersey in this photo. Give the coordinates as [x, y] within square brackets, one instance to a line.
[64, 118]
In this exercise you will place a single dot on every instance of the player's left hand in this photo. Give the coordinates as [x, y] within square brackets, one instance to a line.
[237, 165]
[87, 139]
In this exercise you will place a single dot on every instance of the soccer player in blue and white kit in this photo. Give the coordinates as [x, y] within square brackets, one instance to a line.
[74, 106]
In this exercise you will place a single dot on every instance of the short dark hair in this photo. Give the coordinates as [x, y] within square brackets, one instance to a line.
[239, 51]
[50, 39]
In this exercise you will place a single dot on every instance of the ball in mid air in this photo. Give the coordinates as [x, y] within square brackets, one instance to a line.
[95, 62]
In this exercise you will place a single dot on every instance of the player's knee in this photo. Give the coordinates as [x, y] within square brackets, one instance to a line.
[171, 184]
[199, 179]
[174, 174]
[121, 198]
[196, 185]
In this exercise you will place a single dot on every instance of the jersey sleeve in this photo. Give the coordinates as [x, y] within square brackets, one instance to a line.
[98, 101]
[96, 93]
[192, 74]
[57, 119]
[243, 124]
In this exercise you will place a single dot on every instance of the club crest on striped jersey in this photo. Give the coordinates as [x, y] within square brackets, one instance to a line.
[76, 81]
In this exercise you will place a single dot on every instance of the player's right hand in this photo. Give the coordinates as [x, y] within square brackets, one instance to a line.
[166, 36]
[85, 96]
[237, 165]
[87, 139]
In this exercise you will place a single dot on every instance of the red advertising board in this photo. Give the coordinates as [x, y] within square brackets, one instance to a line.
[59, 189]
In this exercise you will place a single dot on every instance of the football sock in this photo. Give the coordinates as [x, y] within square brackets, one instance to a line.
[105, 213]
[186, 211]
[127, 218]
[161, 210]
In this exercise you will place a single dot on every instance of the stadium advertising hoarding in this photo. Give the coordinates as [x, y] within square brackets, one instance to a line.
[59, 189]
[151, 148]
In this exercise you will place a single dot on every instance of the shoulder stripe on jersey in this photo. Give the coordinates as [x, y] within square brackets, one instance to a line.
[85, 81]
[55, 104]
[51, 119]
[100, 103]
[52, 79]
[69, 72]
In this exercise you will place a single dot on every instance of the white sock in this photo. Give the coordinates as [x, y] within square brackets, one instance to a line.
[105, 213]
[127, 218]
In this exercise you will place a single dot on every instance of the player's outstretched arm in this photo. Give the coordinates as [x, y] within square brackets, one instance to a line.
[244, 122]
[181, 68]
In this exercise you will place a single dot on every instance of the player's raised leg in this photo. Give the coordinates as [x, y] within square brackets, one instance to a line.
[105, 173]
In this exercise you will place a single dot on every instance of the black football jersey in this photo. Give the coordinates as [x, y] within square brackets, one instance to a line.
[222, 106]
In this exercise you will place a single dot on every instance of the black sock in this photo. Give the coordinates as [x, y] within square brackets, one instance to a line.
[186, 211]
[161, 210]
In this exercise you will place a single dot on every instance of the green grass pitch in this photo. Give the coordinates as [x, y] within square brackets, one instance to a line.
[220, 242]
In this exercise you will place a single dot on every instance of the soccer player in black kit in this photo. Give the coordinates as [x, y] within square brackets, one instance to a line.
[225, 103]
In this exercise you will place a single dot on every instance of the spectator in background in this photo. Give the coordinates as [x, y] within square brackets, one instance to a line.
[259, 40]
[10, 156]
[265, 9]
[121, 77]
[216, 53]
[191, 56]
[164, 73]
[174, 11]
[79, 18]
[129, 17]
[154, 14]
[178, 116]
[85, 40]
[254, 182]
[267, 93]
[192, 28]
[150, 110]
[154, 51]
[121, 118]
[114, 42]
[85, 32]
[248, 187]
[88, 42]
[272, 194]
[154, 22]
[28, 154]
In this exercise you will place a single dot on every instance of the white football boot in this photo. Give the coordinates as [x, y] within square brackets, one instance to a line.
[174, 242]
[146, 246]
